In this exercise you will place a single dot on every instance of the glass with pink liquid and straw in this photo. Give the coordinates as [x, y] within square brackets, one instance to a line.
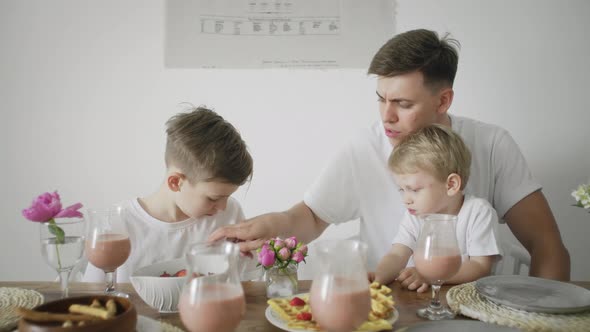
[107, 243]
[212, 298]
[339, 296]
[437, 258]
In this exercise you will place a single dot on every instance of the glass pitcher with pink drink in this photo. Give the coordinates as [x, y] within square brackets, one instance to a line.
[212, 298]
[437, 258]
[339, 296]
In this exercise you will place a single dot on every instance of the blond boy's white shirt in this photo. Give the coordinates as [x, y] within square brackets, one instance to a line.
[153, 240]
[476, 229]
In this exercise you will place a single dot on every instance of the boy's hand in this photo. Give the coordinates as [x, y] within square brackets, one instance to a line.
[410, 278]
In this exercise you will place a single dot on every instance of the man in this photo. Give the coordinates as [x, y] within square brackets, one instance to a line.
[415, 72]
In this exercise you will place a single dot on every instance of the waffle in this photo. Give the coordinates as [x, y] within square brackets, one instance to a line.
[381, 310]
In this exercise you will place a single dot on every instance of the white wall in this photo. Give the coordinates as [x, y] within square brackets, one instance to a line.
[84, 96]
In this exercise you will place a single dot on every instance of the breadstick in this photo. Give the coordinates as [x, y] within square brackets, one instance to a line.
[67, 323]
[87, 310]
[111, 308]
[41, 316]
[96, 304]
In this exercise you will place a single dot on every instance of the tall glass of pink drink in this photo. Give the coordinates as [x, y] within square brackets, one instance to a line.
[212, 302]
[339, 296]
[437, 258]
[107, 243]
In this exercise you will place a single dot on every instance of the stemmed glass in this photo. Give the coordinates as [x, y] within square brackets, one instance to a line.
[339, 296]
[212, 298]
[107, 243]
[62, 245]
[437, 258]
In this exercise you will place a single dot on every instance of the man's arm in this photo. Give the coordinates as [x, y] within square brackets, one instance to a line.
[533, 224]
[299, 221]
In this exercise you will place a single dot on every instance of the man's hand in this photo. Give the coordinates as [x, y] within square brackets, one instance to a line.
[249, 235]
[298, 221]
[410, 278]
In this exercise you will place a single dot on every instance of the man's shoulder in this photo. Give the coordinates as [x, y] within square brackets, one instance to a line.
[368, 139]
[468, 126]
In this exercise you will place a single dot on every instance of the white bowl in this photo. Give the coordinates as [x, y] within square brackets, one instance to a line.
[161, 293]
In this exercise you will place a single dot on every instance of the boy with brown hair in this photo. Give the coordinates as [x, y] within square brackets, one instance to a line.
[206, 162]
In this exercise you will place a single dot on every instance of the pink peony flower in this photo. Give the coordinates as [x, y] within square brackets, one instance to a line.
[47, 206]
[70, 212]
[302, 249]
[291, 242]
[284, 254]
[266, 257]
[279, 243]
[298, 256]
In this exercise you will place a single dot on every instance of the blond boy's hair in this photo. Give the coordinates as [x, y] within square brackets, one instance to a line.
[206, 147]
[435, 149]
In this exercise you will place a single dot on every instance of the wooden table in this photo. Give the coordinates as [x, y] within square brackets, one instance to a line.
[407, 302]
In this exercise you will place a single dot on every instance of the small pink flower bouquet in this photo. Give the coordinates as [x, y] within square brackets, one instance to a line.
[281, 253]
[46, 207]
[280, 259]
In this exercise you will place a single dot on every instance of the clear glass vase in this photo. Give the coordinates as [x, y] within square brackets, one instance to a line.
[62, 245]
[281, 282]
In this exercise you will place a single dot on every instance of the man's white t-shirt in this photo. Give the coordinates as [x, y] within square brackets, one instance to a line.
[476, 229]
[153, 240]
[356, 184]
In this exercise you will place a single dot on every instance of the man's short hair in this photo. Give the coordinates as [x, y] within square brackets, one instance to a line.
[418, 50]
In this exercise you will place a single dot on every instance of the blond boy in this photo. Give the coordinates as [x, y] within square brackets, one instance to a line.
[431, 169]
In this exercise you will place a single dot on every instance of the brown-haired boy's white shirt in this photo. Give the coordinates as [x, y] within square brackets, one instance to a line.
[153, 240]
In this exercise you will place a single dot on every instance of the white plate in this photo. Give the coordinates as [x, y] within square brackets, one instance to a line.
[456, 325]
[534, 294]
[276, 320]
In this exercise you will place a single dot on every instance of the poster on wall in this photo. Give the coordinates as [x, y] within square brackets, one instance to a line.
[309, 34]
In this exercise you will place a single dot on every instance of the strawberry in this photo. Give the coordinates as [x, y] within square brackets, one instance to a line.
[304, 316]
[180, 273]
[296, 302]
[165, 274]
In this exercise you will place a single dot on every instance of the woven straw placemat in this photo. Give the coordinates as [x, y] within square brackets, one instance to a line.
[10, 299]
[465, 300]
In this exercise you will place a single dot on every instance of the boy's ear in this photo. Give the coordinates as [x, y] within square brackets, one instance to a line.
[174, 181]
[453, 184]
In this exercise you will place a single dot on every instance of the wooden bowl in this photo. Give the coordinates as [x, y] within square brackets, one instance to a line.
[124, 321]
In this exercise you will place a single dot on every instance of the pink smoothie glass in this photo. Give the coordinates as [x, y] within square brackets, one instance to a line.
[212, 298]
[437, 258]
[339, 296]
[107, 243]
